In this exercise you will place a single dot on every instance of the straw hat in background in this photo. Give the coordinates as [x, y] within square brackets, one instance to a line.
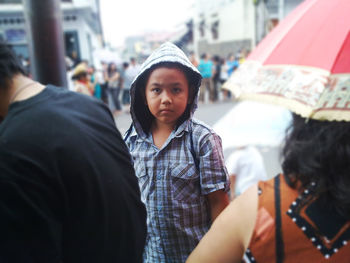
[79, 70]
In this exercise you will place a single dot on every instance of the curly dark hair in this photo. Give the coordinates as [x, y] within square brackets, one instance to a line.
[9, 65]
[319, 152]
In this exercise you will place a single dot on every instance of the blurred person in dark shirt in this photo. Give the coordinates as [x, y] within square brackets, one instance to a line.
[68, 191]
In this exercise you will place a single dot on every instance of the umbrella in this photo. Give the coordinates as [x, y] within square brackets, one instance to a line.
[303, 64]
[241, 126]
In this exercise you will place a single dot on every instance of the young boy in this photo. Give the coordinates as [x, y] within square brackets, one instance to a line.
[178, 160]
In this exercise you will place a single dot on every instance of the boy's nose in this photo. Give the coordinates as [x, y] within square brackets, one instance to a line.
[166, 98]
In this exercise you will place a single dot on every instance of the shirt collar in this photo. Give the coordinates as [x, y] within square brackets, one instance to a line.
[184, 127]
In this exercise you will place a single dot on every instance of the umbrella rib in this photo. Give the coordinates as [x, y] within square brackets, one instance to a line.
[345, 45]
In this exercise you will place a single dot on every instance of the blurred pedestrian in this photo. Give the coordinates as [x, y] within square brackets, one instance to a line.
[104, 84]
[131, 72]
[114, 86]
[242, 56]
[133, 69]
[68, 191]
[232, 64]
[95, 82]
[302, 215]
[81, 80]
[216, 77]
[205, 67]
[224, 78]
[193, 59]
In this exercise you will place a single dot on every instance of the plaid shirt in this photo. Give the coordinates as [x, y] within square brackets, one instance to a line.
[174, 191]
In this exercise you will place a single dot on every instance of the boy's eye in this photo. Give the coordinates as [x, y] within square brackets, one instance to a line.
[156, 90]
[176, 90]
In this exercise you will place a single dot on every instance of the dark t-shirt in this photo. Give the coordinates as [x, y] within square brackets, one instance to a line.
[68, 192]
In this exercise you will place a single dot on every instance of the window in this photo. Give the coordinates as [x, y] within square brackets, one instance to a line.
[10, 1]
[202, 28]
[12, 20]
[215, 30]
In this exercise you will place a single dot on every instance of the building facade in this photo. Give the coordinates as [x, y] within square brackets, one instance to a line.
[223, 27]
[81, 25]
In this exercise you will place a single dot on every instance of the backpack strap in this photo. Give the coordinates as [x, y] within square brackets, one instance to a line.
[278, 222]
[193, 152]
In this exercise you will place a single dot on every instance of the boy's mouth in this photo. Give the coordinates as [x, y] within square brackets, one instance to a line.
[165, 111]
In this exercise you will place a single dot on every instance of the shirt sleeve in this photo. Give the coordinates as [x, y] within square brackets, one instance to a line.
[213, 173]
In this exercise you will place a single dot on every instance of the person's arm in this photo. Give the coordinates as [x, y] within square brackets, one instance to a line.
[230, 234]
[218, 201]
[214, 179]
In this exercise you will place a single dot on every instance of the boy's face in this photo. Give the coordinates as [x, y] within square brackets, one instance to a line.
[167, 94]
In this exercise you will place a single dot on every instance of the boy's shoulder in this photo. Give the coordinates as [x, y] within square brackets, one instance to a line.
[199, 127]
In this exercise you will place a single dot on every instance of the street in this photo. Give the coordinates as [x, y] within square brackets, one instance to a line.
[239, 124]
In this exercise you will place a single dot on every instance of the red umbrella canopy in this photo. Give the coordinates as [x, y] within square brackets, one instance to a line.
[316, 34]
[303, 64]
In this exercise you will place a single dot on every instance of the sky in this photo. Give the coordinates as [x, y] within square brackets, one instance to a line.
[122, 18]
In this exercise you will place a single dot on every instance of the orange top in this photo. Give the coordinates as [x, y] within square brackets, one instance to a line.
[313, 233]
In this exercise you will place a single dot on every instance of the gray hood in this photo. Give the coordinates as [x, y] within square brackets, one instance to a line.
[167, 52]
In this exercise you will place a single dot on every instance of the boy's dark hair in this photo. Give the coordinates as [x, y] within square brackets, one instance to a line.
[319, 152]
[140, 97]
[10, 65]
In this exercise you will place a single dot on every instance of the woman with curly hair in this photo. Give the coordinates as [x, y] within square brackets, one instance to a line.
[302, 215]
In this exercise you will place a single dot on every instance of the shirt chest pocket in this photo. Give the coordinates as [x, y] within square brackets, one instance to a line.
[185, 184]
